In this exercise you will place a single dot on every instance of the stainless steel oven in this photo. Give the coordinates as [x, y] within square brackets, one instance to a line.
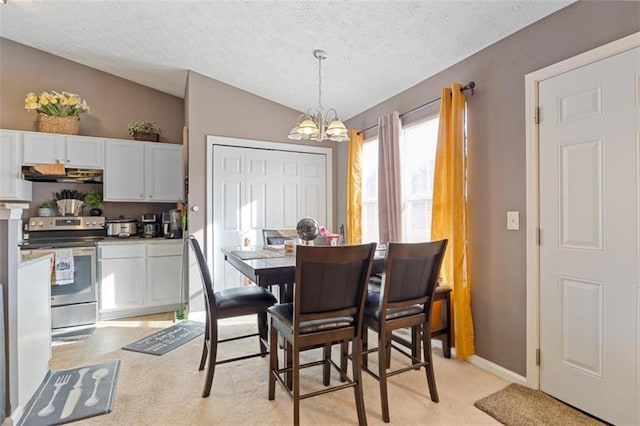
[73, 301]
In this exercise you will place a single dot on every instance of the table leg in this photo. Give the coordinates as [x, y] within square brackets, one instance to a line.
[446, 317]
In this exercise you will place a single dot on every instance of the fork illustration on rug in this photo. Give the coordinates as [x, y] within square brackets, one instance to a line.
[60, 382]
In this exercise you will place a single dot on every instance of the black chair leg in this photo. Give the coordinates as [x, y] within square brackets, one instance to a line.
[365, 345]
[295, 376]
[426, 348]
[383, 362]
[213, 351]
[357, 377]
[273, 362]
[415, 344]
[344, 345]
[326, 368]
[263, 329]
[205, 347]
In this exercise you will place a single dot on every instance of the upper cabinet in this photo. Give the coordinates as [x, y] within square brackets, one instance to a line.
[12, 187]
[143, 171]
[72, 151]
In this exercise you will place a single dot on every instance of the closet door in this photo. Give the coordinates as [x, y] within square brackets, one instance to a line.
[255, 189]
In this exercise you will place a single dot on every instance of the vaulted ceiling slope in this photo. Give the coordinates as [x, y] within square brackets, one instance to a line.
[376, 48]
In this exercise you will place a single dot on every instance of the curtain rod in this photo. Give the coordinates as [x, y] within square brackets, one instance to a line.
[469, 86]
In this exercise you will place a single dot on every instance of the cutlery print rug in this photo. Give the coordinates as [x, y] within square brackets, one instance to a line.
[167, 339]
[69, 395]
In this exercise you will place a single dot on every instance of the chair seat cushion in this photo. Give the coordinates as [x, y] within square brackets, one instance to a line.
[284, 314]
[372, 308]
[243, 301]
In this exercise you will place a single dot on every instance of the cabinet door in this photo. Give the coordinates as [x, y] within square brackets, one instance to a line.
[163, 280]
[11, 186]
[124, 171]
[43, 148]
[164, 176]
[122, 284]
[84, 152]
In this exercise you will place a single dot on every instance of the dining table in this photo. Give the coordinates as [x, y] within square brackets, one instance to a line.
[268, 267]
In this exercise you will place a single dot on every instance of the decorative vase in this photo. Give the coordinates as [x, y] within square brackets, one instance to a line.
[95, 212]
[69, 125]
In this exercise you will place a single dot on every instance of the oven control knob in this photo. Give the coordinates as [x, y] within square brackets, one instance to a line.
[40, 223]
[33, 223]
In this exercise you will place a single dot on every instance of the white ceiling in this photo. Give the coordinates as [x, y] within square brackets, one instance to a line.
[376, 48]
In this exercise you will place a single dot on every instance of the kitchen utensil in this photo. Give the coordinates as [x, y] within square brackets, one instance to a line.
[70, 207]
[60, 382]
[74, 395]
[97, 376]
[175, 226]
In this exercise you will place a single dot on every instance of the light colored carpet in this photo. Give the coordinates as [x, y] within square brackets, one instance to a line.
[162, 390]
[518, 405]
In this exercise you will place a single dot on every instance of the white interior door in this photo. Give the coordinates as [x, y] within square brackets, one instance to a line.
[590, 237]
[254, 189]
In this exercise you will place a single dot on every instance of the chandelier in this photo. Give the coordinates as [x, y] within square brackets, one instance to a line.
[318, 125]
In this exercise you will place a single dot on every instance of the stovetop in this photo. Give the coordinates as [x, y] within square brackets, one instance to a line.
[61, 243]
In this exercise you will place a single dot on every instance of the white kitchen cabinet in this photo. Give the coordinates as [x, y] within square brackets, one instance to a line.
[139, 278]
[164, 176]
[12, 187]
[124, 171]
[72, 151]
[143, 171]
[164, 272]
[123, 276]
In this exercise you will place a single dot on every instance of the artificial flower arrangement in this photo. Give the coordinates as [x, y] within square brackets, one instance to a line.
[56, 104]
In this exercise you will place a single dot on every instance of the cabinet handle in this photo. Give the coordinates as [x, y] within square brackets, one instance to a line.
[141, 196]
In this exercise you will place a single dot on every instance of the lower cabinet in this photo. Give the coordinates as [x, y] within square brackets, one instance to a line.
[139, 278]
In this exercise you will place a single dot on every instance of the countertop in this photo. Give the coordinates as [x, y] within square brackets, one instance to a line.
[138, 240]
[33, 257]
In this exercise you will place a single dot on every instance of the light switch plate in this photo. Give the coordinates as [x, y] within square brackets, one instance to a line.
[513, 220]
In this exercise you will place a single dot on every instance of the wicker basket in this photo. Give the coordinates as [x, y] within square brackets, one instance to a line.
[149, 137]
[65, 125]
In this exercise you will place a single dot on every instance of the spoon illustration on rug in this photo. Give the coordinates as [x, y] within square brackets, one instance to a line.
[97, 376]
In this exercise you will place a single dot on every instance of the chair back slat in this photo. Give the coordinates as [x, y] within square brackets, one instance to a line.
[412, 271]
[331, 280]
[277, 237]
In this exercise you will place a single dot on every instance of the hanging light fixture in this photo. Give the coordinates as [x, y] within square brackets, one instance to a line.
[318, 125]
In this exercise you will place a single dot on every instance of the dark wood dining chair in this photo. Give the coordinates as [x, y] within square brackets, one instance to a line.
[277, 237]
[329, 296]
[405, 300]
[227, 303]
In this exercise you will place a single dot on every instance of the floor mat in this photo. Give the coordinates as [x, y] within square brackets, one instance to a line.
[520, 405]
[168, 339]
[70, 395]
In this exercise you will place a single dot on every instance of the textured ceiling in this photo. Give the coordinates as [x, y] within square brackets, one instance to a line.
[376, 49]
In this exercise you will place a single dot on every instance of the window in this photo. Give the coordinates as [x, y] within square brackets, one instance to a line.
[417, 156]
[370, 191]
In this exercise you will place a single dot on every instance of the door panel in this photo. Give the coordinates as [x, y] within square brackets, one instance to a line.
[590, 243]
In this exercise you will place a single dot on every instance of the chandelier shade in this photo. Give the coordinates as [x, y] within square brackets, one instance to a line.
[316, 125]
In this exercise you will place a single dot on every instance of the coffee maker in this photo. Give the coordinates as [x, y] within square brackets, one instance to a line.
[172, 224]
[150, 227]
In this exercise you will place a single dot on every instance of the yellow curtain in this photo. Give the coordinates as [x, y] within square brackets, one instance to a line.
[354, 188]
[449, 216]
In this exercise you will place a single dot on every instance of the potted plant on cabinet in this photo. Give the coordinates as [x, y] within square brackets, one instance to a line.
[46, 209]
[94, 199]
[144, 131]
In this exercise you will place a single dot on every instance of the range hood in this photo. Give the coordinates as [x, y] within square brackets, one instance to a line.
[56, 172]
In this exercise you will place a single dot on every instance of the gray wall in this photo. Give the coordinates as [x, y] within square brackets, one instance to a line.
[497, 181]
[114, 101]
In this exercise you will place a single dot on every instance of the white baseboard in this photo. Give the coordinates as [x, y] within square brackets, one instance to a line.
[497, 370]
